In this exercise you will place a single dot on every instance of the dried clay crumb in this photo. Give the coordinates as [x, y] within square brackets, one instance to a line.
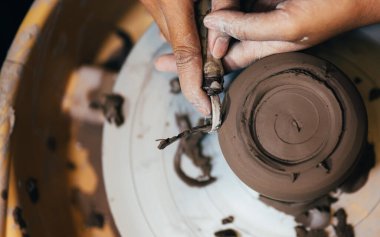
[19, 218]
[374, 94]
[175, 87]
[228, 220]
[32, 190]
[226, 233]
[343, 229]
[111, 106]
[95, 219]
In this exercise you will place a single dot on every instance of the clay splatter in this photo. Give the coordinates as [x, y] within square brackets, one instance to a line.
[191, 147]
[95, 219]
[226, 233]
[184, 134]
[303, 232]
[111, 107]
[228, 220]
[32, 190]
[18, 218]
[175, 87]
[374, 94]
[343, 229]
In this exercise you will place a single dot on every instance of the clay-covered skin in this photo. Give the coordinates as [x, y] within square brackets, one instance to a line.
[294, 127]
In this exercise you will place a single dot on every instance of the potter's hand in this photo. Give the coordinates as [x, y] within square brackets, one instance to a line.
[289, 26]
[177, 24]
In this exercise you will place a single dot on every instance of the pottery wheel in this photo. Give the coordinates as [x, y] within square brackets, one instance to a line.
[145, 194]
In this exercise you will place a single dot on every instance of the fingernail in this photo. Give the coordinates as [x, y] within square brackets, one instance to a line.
[210, 22]
[220, 47]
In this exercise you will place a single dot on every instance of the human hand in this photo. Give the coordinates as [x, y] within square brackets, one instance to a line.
[288, 25]
[177, 23]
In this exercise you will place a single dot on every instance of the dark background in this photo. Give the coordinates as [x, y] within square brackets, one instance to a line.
[12, 12]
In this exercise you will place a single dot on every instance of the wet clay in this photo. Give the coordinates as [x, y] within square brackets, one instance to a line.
[228, 220]
[303, 232]
[343, 229]
[182, 135]
[294, 127]
[19, 219]
[226, 233]
[175, 87]
[191, 147]
[112, 107]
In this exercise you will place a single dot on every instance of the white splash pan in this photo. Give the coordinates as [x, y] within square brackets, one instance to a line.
[146, 196]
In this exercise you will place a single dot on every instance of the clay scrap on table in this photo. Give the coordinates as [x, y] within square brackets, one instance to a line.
[111, 105]
[301, 231]
[341, 229]
[32, 190]
[226, 233]
[228, 220]
[190, 146]
[200, 129]
[175, 87]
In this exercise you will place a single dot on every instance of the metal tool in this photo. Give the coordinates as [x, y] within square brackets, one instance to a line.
[213, 71]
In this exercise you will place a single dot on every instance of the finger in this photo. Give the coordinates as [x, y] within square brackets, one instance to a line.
[276, 25]
[166, 63]
[244, 53]
[265, 5]
[219, 41]
[154, 9]
[186, 47]
[162, 36]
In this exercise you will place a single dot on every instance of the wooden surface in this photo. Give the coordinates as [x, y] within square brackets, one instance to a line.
[39, 138]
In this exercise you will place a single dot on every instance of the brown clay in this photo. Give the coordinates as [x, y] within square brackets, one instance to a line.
[111, 107]
[226, 233]
[294, 127]
[228, 220]
[191, 146]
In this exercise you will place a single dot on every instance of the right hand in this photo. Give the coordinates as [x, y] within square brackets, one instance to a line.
[177, 23]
